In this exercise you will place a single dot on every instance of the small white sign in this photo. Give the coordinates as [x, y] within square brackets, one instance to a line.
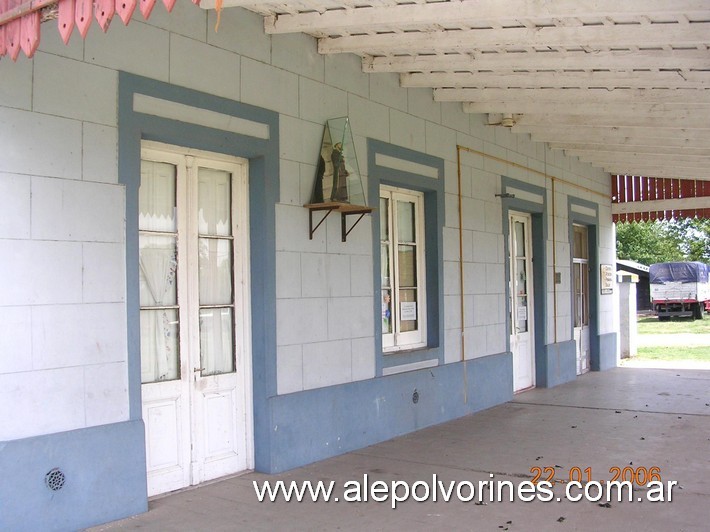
[407, 311]
[522, 313]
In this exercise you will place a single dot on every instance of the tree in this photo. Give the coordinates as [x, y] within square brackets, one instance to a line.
[649, 242]
[694, 237]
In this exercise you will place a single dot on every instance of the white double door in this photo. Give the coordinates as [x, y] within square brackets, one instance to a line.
[194, 317]
[521, 301]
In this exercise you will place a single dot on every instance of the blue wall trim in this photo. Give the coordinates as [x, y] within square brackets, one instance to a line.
[263, 156]
[104, 468]
[433, 190]
[351, 416]
[558, 364]
[607, 352]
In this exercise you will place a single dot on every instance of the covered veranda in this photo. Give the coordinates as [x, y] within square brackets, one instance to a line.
[626, 417]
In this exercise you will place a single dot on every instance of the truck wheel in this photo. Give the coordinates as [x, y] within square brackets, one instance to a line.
[698, 311]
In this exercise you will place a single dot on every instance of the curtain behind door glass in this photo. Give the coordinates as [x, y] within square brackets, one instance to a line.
[158, 273]
[215, 271]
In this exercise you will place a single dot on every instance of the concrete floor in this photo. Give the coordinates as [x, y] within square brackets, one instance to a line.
[623, 417]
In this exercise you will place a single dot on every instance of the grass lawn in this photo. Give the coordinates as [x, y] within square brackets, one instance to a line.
[651, 325]
[674, 353]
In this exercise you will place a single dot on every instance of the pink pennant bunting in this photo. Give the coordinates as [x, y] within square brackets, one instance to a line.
[12, 33]
[146, 7]
[104, 12]
[125, 9]
[65, 21]
[30, 33]
[169, 4]
[84, 12]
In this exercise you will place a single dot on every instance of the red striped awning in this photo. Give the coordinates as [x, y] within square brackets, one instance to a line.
[20, 20]
[652, 192]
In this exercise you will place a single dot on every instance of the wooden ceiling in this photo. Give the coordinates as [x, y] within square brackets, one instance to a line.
[622, 84]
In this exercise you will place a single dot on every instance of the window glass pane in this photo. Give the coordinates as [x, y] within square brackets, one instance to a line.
[519, 228]
[407, 257]
[214, 202]
[385, 271]
[216, 341]
[215, 262]
[408, 310]
[158, 270]
[384, 219]
[156, 197]
[160, 353]
[405, 221]
[386, 312]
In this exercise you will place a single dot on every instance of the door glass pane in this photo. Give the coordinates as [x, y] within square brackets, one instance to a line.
[156, 197]
[521, 314]
[581, 250]
[407, 310]
[520, 277]
[405, 221]
[585, 294]
[384, 219]
[386, 311]
[214, 202]
[160, 353]
[519, 237]
[158, 269]
[216, 341]
[407, 257]
[577, 295]
[215, 263]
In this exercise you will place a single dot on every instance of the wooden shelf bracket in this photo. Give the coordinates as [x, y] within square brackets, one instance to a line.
[345, 210]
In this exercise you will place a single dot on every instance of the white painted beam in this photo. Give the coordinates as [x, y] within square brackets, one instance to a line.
[593, 37]
[578, 96]
[673, 172]
[548, 60]
[582, 149]
[658, 110]
[678, 204]
[649, 159]
[611, 80]
[471, 12]
[624, 135]
[685, 120]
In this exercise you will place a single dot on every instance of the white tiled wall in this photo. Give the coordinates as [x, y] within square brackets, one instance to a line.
[62, 231]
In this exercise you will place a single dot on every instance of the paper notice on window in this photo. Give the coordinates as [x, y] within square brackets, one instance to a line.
[522, 313]
[407, 311]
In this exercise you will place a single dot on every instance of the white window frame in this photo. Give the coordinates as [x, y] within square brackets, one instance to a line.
[397, 340]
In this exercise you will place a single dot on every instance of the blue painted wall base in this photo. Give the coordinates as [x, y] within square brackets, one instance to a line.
[317, 424]
[556, 365]
[104, 470]
[607, 353]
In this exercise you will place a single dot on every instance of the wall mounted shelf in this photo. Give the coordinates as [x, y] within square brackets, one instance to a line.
[345, 210]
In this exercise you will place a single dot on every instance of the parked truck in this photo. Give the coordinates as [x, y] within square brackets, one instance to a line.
[680, 289]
